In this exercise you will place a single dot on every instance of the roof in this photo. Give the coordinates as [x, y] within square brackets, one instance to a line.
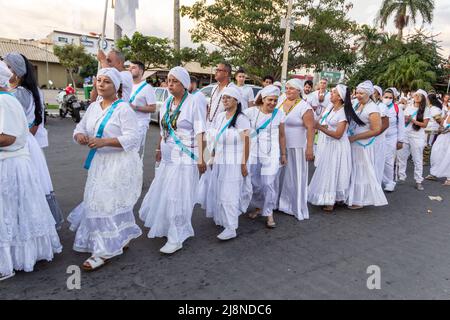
[31, 51]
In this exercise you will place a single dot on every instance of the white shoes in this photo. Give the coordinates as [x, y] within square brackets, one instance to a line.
[170, 248]
[2, 278]
[227, 234]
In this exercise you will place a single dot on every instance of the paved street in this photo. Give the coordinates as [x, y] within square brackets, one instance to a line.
[323, 258]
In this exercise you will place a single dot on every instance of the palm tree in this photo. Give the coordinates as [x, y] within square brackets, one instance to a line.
[403, 11]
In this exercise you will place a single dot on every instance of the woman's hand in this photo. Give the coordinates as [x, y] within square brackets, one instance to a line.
[202, 167]
[283, 160]
[309, 154]
[158, 156]
[96, 143]
[81, 139]
[352, 139]
[244, 170]
[399, 145]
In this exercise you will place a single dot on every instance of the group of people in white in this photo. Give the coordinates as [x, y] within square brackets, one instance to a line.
[233, 154]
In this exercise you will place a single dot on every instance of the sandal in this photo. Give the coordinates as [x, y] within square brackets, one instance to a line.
[328, 209]
[271, 224]
[253, 215]
[94, 264]
[431, 177]
[446, 183]
[2, 278]
[355, 207]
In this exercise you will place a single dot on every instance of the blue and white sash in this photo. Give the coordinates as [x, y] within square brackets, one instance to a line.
[133, 97]
[265, 124]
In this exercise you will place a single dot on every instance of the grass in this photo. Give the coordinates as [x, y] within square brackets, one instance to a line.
[52, 107]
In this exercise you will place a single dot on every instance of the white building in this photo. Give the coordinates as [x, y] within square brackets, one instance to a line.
[89, 42]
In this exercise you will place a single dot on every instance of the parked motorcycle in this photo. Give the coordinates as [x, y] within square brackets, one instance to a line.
[69, 104]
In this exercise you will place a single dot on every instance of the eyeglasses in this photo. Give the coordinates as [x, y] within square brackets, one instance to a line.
[221, 70]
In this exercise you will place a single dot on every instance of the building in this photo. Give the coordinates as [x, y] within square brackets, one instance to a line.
[89, 42]
[204, 75]
[40, 59]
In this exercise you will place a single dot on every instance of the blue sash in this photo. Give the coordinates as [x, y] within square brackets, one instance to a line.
[412, 116]
[133, 97]
[101, 129]
[352, 133]
[325, 116]
[222, 131]
[8, 93]
[172, 132]
[265, 124]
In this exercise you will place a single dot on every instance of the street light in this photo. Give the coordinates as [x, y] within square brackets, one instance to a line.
[46, 42]
[287, 39]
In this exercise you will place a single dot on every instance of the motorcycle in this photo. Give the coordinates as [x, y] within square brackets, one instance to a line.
[69, 104]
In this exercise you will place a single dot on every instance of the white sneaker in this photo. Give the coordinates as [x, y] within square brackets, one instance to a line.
[2, 278]
[227, 234]
[170, 248]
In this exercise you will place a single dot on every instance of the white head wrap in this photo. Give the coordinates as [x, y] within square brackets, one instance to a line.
[422, 92]
[5, 75]
[366, 86]
[16, 62]
[394, 91]
[233, 92]
[278, 84]
[270, 91]
[113, 74]
[379, 90]
[342, 90]
[296, 83]
[181, 75]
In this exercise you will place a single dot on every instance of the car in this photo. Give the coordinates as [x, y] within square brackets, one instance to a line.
[161, 95]
[207, 91]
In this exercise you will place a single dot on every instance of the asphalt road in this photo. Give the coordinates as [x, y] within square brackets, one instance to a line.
[324, 258]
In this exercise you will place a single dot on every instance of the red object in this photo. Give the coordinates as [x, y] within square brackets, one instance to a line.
[396, 108]
[70, 90]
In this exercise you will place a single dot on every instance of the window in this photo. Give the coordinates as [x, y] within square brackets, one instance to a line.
[63, 40]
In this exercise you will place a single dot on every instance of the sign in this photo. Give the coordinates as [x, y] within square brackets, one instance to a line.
[284, 24]
[332, 77]
[84, 40]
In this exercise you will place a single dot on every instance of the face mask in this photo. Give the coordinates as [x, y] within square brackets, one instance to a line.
[387, 102]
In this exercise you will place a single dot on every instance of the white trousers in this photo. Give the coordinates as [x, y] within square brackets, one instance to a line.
[389, 165]
[413, 147]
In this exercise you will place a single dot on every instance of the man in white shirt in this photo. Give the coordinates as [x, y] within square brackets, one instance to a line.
[143, 98]
[200, 98]
[115, 59]
[323, 97]
[223, 78]
[248, 98]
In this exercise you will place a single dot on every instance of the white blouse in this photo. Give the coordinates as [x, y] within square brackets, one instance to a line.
[294, 125]
[364, 115]
[333, 119]
[13, 123]
[121, 125]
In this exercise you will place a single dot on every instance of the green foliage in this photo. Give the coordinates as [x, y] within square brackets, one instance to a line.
[90, 69]
[248, 33]
[72, 58]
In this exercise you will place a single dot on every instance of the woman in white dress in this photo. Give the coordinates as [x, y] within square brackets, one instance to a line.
[364, 187]
[228, 190]
[167, 207]
[440, 154]
[25, 89]
[331, 181]
[380, 141]
[27, 227]
[299, 128]
[267, 152]
[437, 114]
[395, 136]
[417, 117]
[104, 222]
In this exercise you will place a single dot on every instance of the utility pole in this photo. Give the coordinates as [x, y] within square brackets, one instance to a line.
[176, 25]
[287, 39]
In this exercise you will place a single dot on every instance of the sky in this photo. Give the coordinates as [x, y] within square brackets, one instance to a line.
[31, 19]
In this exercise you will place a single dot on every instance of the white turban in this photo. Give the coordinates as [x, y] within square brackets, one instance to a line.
[380, 91]
[295, 83]
[394, 91]
[270, 91]
[233, 92]
[366, 86]
[5, 75]
[181, 75]
[113, 74]
[422, 92]
[342, 90]
[278, 84]
[16, 62]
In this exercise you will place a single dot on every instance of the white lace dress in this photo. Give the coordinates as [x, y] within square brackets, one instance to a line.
[104, 222]
[168, 205]
[440, 154]
[27, 227]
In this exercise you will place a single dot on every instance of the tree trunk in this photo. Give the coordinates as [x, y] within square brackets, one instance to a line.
[176, 26]
[400, 34]
[73, 80]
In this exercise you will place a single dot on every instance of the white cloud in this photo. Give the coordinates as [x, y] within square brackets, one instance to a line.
[36, 19]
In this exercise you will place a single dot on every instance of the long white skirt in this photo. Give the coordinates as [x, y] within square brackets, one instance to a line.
[27, 227]
[440, 157]
[265, 190]
[40, 164]
[293, 192]
[104, 222]
[225, 194]
[167, 207]
[331, 180]
[318, 147]
[380, 156]
[364, 187]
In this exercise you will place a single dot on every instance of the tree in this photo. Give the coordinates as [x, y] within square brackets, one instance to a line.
[72, 57]
[403, 11]
[90, 69]
[248, 33]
